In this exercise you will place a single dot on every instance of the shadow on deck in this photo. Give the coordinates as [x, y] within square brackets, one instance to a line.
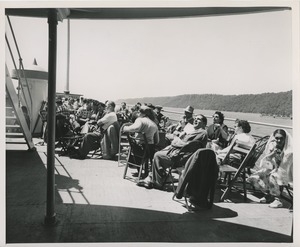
[94, 204]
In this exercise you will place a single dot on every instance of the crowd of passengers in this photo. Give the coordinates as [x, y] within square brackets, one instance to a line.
[92, 118]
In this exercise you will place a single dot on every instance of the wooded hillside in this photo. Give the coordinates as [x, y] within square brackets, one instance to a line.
[279, 104]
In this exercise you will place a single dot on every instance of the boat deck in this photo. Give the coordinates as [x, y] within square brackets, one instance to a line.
[95, 204]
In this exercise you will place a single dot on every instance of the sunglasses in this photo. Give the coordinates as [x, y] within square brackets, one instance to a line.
[198, 118]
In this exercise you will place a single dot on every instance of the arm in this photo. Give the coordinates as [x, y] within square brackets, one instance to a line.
[156, 137]
[108, 118]
[135, 127]
[223, 131]
[269, 161]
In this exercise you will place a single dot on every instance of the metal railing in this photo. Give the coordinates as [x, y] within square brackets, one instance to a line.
[20, 89]
[233, 119]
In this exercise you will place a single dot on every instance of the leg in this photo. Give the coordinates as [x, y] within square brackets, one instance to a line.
[161, 162]
[87, 144]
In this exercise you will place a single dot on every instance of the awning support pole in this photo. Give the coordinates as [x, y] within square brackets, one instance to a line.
[50, 218]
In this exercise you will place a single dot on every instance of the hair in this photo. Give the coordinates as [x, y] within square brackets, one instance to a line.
[204, 119]
[281, 132]
[244, 125]
[221, 116]
[148, 112]
[111, 103]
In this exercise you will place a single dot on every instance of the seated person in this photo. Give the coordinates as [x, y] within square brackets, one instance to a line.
[160, 117]
[144, 123]
[89, 139]
[135, 112]
[185, 124]
[276, 168]
[96, 113]
[60, 107]
[152, 108]
[74, 124]
[242, 130]
[164, 159]
[167, 122]
[217, 132]
[123, 114]
[62, 120]
[83, 113]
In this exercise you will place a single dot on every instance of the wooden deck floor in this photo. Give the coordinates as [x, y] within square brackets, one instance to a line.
[95, 204]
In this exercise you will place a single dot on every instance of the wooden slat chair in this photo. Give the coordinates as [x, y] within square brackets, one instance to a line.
[138, 156]
[68, 144]
[232, 167]
[289, 196]
[123, 146]
[259, 149]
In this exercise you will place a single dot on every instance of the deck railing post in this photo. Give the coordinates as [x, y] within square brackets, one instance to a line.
[50, 217]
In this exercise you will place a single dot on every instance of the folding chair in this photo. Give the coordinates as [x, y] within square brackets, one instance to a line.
[260, 145]
[123, 146]
[289, 196]
[138, 156]
[260, 148]
[68, 144]
[234, 164]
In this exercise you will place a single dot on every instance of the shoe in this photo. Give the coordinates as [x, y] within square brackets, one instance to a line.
[143, 183]
[266, 199]
[76, 156]
[276, 204]
[197, 204]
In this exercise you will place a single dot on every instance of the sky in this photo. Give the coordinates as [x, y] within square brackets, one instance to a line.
[119, 59]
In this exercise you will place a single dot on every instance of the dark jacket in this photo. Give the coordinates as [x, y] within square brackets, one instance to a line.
[199, 177]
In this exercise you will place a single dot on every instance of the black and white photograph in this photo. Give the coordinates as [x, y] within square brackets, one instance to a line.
[149, 123]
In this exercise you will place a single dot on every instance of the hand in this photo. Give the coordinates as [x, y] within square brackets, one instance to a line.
[215, 141]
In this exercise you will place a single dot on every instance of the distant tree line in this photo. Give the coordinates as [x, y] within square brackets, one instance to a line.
[279, 104]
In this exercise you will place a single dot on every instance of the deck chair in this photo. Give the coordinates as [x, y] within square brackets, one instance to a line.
[289, 196]
[261, 143]
[198, 180]
[234, 164]
[123, 149]
[139, 156]
[68, 144]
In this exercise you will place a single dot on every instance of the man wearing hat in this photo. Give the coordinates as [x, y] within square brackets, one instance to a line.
[184, 126]
[188, 114]
[158, 113]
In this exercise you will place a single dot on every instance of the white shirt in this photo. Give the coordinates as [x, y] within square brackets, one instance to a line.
[108, 119]
[247, 138]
